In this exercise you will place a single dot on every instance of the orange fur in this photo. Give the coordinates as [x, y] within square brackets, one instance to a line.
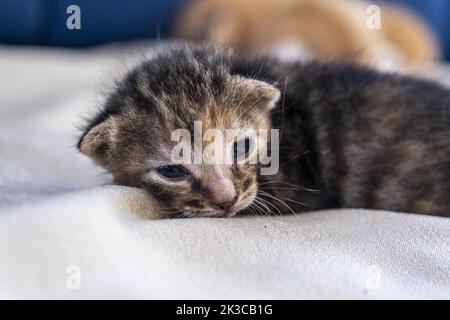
[322, 29]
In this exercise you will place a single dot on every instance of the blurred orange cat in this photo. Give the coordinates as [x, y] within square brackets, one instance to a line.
[312, 29]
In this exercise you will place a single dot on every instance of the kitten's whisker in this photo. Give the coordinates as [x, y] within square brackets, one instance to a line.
[279, 110]
[252, 207]
[290, 188]
[290, 184]
[253, 210]
[258, 208]
[288, 199]
[271, 204]
[258, 200]
[293, 158]
[277, 199]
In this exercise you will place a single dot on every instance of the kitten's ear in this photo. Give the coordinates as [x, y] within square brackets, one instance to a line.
[263, 93]
[95, 142]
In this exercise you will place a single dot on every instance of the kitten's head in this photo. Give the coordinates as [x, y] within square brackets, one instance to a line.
[153, 120]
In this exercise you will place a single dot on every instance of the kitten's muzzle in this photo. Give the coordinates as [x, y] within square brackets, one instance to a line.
[221, 193]
[226, 205]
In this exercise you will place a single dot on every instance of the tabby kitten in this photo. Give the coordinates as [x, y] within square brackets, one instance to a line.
[350, 137]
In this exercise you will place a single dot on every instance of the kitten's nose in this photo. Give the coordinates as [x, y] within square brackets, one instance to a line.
[226, 205]
[222, 193]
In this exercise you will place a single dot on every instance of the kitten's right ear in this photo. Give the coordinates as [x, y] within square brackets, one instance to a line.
[96, 141]
[262, 92]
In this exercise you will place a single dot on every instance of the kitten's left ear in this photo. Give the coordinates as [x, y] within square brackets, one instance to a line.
[263, 93]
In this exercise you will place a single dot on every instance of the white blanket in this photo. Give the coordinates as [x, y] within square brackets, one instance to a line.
[65, 232]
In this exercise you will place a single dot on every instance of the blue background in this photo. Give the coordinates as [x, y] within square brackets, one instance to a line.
[43, 22]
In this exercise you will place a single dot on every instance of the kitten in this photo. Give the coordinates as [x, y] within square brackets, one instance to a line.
[350, 137]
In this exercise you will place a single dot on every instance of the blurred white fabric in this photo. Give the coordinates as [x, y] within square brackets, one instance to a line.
[65, 232]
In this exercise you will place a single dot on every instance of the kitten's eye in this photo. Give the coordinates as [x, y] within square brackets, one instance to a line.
[173, 172]
[242, 148]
